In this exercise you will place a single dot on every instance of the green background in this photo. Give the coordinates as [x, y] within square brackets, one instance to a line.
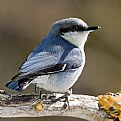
[23, 24]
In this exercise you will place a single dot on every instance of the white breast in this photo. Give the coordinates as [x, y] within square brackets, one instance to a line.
[59, 82]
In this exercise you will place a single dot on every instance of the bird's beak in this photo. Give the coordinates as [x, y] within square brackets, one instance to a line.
[92, 28]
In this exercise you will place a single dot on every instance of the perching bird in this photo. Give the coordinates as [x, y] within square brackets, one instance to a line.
[57, 62]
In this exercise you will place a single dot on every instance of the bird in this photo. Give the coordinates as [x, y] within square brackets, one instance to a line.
[58, 60]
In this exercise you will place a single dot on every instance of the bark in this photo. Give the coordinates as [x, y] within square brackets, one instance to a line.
[29, 105]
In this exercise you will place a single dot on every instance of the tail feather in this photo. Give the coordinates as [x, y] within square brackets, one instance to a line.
[14, 85]
[19, 85]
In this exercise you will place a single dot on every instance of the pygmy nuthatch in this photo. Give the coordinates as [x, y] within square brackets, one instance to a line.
[57, 62]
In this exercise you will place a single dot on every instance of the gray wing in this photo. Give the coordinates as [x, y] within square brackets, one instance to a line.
[40, 61]
[46, 62]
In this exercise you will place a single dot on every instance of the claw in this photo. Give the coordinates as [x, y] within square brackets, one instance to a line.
[66, 102]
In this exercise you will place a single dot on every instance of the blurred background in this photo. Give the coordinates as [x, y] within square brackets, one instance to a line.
[23, 24]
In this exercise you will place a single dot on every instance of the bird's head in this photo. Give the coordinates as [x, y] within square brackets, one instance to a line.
[73, 30]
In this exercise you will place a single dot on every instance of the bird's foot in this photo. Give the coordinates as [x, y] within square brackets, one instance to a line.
[37, 91]
[66, 101]
[53, 97]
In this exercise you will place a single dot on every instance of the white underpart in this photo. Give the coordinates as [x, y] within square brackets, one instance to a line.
[76, 38]
[58, 82]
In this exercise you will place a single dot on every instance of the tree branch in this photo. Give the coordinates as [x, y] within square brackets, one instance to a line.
[80, 106]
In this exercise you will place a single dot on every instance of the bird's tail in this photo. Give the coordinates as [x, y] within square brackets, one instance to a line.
[19, 84]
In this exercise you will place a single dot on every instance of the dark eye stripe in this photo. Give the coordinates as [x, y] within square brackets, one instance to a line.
[72, 29]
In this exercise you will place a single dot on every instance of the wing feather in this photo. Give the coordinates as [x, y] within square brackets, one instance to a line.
[40, 61]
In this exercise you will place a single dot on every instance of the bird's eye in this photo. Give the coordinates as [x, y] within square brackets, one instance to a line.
[78, 28]
[75, 28]
[72, 29]
[64, 30]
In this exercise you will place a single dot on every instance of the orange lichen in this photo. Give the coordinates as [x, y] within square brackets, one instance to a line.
[37, 105]
[111, 103]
